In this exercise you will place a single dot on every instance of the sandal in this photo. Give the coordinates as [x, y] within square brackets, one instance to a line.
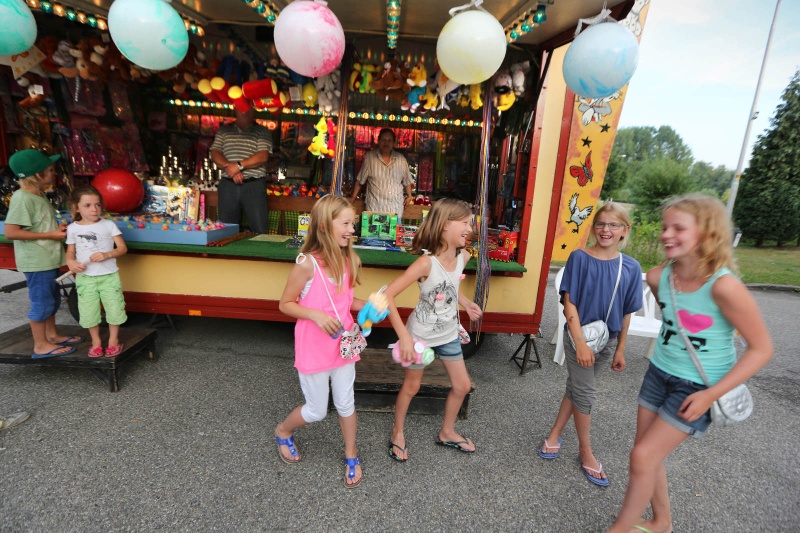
[351, 472]
[293, 451]
[393, 455]
[96, 351]
[550, 455]
[113, 351]
[594, 475]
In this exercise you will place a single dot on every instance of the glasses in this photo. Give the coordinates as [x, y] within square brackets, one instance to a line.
[610, 225]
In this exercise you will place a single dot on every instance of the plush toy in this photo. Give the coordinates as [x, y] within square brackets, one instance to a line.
[503, 89]
[309, 95]
[115, 63]
[331, 138]
[475, 99]
[444, 86]
[423, 354]
[391, 81]
[375, 310]
[328, 93]
[430, 100]
[319, 144]
[518, 73]
[416, 82]
[462, 100]
[33, 99]
[48, 46]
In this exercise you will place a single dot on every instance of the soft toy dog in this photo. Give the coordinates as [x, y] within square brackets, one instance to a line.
[391, 81]
[518, 73]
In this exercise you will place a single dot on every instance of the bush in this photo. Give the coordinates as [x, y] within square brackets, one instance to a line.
[644, 246]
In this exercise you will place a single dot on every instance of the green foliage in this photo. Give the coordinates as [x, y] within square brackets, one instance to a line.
[768, 203]
[644, 246]
[654, 183]
[710, 180]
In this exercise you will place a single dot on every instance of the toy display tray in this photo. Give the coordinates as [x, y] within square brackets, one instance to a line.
[174, 234]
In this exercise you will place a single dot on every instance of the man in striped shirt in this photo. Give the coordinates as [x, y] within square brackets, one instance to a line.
[387, 172]
[241, 150]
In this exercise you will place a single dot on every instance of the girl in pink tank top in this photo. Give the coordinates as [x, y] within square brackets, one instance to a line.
[320, 289]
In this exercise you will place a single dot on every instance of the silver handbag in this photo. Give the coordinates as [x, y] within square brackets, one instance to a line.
[596, 333]
[733, 407]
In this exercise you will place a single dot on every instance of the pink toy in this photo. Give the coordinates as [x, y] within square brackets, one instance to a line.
[423, 354]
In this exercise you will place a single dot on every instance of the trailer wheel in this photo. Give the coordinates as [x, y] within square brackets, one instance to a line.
[474, 345]
[72, 303]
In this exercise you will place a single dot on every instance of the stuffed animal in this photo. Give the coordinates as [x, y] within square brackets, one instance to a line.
[375, 310]
[116, 64]
[416, 82]
[33, 99]
[444, 86]
[309, 95]
[319, 144]
[328, 93]
[391, 81]
[475, 100]
[331, 137]
[518, 73]
[463, 96]
[48, 46]
[503, 89]
[430, 100]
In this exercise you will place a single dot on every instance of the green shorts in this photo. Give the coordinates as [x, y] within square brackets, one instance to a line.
[94, 290]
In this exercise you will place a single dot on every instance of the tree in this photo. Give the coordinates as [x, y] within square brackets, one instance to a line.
[768, 204]
[707, 178]
[637, 147]
[656, 182]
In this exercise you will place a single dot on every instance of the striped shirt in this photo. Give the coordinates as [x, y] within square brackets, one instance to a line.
[386, 182]
[237, 145]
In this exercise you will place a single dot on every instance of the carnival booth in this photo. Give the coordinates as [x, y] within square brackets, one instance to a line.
[487, 101]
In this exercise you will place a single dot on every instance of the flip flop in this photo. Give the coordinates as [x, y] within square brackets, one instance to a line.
[289, 443]
[642, 528]
[393, 455]
[96, 351]
[596, 479]
[113, 351]
[456, 445]
[351, 472]
[71, 341]
[52, 353]
[550, 455]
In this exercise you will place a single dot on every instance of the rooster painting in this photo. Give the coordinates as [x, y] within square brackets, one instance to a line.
[577, 216]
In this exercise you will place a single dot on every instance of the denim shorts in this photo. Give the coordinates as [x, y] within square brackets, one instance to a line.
[664, 394]
[43, 293]
[450, 351]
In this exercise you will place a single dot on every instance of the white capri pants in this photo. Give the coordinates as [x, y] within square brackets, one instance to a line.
[315, 391]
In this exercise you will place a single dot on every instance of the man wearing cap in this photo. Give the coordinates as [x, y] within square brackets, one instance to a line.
[241, 149]
[38, 250]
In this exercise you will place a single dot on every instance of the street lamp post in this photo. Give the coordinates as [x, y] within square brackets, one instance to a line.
[753, 114]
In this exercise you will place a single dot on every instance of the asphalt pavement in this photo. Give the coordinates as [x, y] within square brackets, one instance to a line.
[187, 444]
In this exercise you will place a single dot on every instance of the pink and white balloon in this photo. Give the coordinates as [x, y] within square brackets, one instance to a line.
[309, 38]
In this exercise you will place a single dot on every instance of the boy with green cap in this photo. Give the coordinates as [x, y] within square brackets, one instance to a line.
[38, 250]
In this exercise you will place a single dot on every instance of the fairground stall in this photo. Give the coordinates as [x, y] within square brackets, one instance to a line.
[490, 102]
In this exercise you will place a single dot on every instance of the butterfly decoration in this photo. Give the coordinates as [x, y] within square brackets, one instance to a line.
[583, 172]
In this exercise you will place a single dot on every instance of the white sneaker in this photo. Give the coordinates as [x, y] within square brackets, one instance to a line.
[14, 420]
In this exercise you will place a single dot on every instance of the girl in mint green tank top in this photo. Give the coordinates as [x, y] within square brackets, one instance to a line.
[711, 305]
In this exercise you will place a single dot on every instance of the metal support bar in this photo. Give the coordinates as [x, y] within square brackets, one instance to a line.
[522, 362]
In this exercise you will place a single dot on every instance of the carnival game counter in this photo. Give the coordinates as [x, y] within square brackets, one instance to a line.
[245, 279]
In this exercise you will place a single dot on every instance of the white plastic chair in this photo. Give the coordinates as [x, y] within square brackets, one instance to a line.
[646, 324]
[642, 325]
[558, 336]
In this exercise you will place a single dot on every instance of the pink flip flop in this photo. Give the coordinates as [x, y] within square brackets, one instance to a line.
[113, 351]
[96, 351]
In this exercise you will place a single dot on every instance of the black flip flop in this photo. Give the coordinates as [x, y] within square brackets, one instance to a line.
[456, 445]
[393, 455]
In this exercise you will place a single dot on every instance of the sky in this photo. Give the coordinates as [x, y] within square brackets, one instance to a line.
[699, 62]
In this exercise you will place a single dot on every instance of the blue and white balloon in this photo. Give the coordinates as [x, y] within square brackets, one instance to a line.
[601, 60]
[19, 27]
[150, 33]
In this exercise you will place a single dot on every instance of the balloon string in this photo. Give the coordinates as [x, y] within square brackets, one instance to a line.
[605, 14]
[474, 4]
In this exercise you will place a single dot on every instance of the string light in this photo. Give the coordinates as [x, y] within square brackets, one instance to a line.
[380, 117]
[266, 9]
[393, 8]
[94, 20]
[526, 22]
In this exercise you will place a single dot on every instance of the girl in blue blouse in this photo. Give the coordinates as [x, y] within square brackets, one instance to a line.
[587, 289]
[711, 304]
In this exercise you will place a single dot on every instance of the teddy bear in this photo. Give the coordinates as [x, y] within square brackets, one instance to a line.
[518, 73]
[48, 46]
[328, 93]
[391, 81]
[475, 99]
[116, 64]
[415, 83]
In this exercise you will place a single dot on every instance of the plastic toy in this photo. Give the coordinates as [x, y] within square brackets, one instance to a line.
[375, 310]
[121, 190]
[423, 354]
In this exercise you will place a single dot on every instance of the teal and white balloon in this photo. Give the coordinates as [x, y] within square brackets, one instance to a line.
[150, 33]
[601, 60]
[19, 27]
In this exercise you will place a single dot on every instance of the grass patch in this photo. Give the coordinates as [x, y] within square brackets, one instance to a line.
[771, 265]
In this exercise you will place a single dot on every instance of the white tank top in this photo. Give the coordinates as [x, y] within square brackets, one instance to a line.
[434, 320]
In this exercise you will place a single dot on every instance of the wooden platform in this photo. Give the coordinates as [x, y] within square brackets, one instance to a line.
[16, 347]
[379, 378]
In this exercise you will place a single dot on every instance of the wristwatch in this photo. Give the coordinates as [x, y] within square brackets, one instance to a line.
[240, 165]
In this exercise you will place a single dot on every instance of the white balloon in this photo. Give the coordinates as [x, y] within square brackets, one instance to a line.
[471, 47]
[148, 32]
[601, 60]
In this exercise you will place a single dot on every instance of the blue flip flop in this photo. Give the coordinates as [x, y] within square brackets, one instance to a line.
[289, 443]
[455, 445]
[351, 472]
[548, 455]
[71, 340]
[594, 478]
[52, 353]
